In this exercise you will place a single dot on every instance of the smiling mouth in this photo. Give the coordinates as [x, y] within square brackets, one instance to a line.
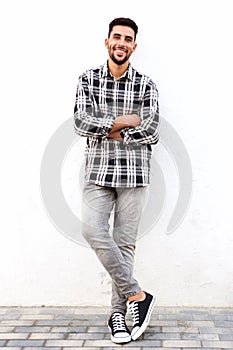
[120, 53]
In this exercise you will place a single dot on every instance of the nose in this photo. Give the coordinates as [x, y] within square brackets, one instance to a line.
[122, 42]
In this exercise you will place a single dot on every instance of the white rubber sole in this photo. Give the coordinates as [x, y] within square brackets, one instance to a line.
[135, 335]
[119, 340]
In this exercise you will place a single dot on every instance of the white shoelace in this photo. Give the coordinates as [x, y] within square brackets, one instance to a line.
[118, 322]
[134, 312]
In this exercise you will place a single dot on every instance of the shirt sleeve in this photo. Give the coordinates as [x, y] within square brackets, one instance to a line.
[88, 120]
[148, 131]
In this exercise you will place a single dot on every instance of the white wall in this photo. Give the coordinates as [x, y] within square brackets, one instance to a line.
[185, 46]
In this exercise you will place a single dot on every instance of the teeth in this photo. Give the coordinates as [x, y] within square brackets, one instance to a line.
[120, 50]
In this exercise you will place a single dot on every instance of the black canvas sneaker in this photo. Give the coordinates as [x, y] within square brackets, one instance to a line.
[119, 331]
[141, 312]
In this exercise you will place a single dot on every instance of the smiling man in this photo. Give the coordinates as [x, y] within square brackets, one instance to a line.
[120, 45]
[117, 110]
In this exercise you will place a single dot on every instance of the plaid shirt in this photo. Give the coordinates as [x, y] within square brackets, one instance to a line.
[100, 99]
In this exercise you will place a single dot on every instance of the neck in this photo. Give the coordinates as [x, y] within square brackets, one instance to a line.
[117, 70]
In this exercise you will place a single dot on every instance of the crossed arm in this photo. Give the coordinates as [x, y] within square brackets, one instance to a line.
[121, 122]
[130, 128]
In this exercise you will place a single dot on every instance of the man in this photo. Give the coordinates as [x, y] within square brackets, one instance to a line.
[117, 110]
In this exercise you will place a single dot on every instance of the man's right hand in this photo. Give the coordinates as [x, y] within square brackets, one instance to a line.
[128, 121]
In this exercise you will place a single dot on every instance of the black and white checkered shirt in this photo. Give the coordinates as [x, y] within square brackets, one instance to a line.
[100, 99]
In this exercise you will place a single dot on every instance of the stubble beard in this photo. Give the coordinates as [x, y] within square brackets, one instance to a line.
[119, 62]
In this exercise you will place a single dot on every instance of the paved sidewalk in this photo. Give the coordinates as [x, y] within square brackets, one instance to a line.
[67, 328]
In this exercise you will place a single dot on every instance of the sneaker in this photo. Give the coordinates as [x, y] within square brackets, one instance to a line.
[118, 328]
[141, 312]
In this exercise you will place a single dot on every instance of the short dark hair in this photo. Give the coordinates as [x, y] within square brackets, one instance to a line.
[121, 21]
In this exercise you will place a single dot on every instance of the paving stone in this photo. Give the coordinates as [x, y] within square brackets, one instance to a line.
[185, 324]
[17, 323]
[226, 336]
[182, 317]
[93, 329]
[223, 323]
[79, 348]
[36, 317]
[107, 336]
[182, 343]
[202, 312]
[87, 310]
[3, 310]
[60, 328]
[222, 317]
[8, 336]
[72, 317]
[201, 317]
[160, 336]
[108, 343]
[153, 317]
[230, 318]
[62, 343]
[52, 323]
[31, 329]
[159, 323]
[218, 344]
[217, 330]
[5, 329]
[192, 310]
[217, 311]
[154, 329]
[85, 317]
[193, 336]
[165, 310]
[9, 316]
[197, 348]
[40, 348]
[47, 336]
[202, 324]
[180, 329]
[58, 310]
[158, 348]
[11, 348]
[24, 310]
[101, 343]
[70, 329]
[87, 322]
[124, 347]
[86, 336]
[25, 343]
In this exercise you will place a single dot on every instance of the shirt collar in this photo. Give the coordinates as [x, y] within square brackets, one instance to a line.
[128, 73]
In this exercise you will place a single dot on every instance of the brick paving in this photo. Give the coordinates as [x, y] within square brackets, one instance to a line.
[67, 328]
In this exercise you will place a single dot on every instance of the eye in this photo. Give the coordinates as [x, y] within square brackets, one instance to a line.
[128, 39]
[116, 36]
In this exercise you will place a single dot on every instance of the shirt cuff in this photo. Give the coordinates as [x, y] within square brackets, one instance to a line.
[108, 121]
[125, 136]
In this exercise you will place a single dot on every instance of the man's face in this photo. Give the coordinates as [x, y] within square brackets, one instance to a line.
[120, 44]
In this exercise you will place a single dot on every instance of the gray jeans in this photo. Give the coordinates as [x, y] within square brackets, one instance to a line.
[115, 249]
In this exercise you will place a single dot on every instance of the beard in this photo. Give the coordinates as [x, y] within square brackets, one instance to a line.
[119, 62]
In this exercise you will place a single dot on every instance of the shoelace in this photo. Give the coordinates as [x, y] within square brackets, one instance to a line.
[118, 322]
[134, 312]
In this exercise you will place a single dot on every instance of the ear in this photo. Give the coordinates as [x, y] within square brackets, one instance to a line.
[134, 46]
[106, 43]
